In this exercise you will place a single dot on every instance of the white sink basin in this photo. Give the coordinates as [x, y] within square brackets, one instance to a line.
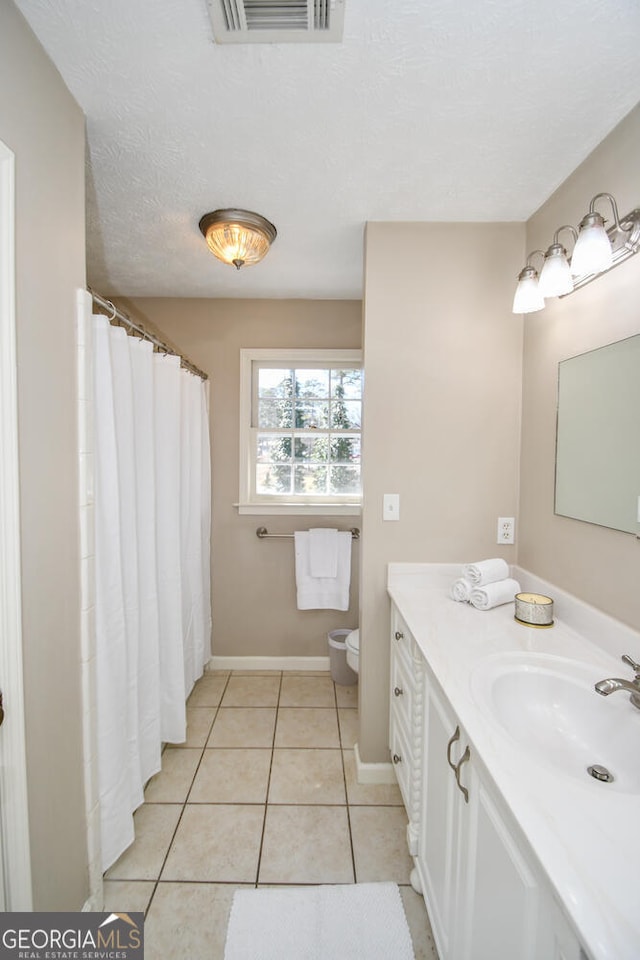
[549, 707]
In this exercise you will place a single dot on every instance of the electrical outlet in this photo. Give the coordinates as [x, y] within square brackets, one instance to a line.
[506, 530]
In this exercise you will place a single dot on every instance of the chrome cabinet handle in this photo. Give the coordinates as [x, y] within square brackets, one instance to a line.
[398, 635]
[396, 758]
[463, 759]
[398, 691]
[456, 736]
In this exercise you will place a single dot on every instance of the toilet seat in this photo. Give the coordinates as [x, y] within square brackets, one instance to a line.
[352, 643]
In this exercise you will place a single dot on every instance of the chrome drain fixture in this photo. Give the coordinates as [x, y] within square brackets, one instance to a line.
[599, 772]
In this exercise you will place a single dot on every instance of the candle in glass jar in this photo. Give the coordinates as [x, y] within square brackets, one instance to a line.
[534, 609]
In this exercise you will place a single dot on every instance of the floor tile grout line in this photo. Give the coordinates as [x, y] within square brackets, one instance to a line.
[260, 803]
[206, 740]
[164, 860]
[266, 798]
[346, 791]
[184, 804]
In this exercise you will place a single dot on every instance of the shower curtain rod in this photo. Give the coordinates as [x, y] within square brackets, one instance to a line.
[115, 314]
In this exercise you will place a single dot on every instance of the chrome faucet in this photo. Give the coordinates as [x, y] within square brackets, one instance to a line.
[605, 687]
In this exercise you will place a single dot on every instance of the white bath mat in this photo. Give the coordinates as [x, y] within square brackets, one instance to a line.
[358, 921]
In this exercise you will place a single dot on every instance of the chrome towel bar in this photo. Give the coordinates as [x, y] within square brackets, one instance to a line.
[263, 534]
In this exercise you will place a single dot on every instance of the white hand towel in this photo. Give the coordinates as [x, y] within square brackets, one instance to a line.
[461, 590]
[323, 552]
[494, 594]
[486, 571]
[322, 593]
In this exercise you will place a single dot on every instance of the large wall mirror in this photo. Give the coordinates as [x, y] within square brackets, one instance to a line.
[598, 436]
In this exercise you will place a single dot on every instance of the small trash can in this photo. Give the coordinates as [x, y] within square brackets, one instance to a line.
[341, 672]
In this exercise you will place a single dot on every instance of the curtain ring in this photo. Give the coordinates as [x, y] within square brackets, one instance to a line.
[115, 312]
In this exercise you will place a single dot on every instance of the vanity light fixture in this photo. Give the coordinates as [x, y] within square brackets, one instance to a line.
[555, 276]
[596, 250]
[593, 252]
[237, 237]
[528, 298]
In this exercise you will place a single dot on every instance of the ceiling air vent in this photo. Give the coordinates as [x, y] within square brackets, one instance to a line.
[277, 21]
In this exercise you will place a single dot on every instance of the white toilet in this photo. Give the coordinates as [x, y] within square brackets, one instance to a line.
[352, 641]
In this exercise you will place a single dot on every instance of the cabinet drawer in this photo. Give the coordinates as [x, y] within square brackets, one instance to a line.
[402, 693]
[401, 638]
[402, 760]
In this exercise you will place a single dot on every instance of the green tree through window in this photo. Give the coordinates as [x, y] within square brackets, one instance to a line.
[308, 439]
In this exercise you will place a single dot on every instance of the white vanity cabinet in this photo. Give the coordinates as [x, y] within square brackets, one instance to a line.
[487, 897]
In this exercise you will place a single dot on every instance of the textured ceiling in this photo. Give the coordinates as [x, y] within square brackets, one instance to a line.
[438, 110]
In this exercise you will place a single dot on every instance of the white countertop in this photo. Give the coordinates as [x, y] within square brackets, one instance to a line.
[586, 837]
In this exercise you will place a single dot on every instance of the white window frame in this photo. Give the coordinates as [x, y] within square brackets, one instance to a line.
[249, 503]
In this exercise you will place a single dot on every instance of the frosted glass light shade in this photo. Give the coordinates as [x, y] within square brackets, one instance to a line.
[555, 276]
[528, 298]
[592, 252]
[237, 237]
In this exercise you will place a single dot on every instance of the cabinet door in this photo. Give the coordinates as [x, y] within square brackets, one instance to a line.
[499, 894]
[557, 938]
[482, 895]
[503, 902]
[438, 841]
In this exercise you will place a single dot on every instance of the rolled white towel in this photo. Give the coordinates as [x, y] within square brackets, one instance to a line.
[486, 571]
[494, 594]
[461, 590]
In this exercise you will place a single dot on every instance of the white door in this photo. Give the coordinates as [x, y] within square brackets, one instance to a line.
[15, 870]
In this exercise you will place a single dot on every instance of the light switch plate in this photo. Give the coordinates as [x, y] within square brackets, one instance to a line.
[391, 506]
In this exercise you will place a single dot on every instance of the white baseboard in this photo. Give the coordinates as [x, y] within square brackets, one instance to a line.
[373, 772]
[313, 664]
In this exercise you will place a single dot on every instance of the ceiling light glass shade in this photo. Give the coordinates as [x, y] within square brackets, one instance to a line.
[592, 252]
[237, 237]
[555, 276]
[528, 298]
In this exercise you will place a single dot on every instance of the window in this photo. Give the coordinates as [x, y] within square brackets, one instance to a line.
[301, 416]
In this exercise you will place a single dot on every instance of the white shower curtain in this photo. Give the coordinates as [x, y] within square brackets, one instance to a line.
[153, 616]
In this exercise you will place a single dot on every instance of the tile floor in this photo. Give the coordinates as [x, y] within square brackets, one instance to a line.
[263, 792]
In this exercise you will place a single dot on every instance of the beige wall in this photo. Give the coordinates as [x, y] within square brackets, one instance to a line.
[443, 357]
[253, 589]
[43, 126]
[598, 565]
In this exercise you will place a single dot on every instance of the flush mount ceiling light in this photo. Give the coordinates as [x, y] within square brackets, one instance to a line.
[596, 250]
[237, 237]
